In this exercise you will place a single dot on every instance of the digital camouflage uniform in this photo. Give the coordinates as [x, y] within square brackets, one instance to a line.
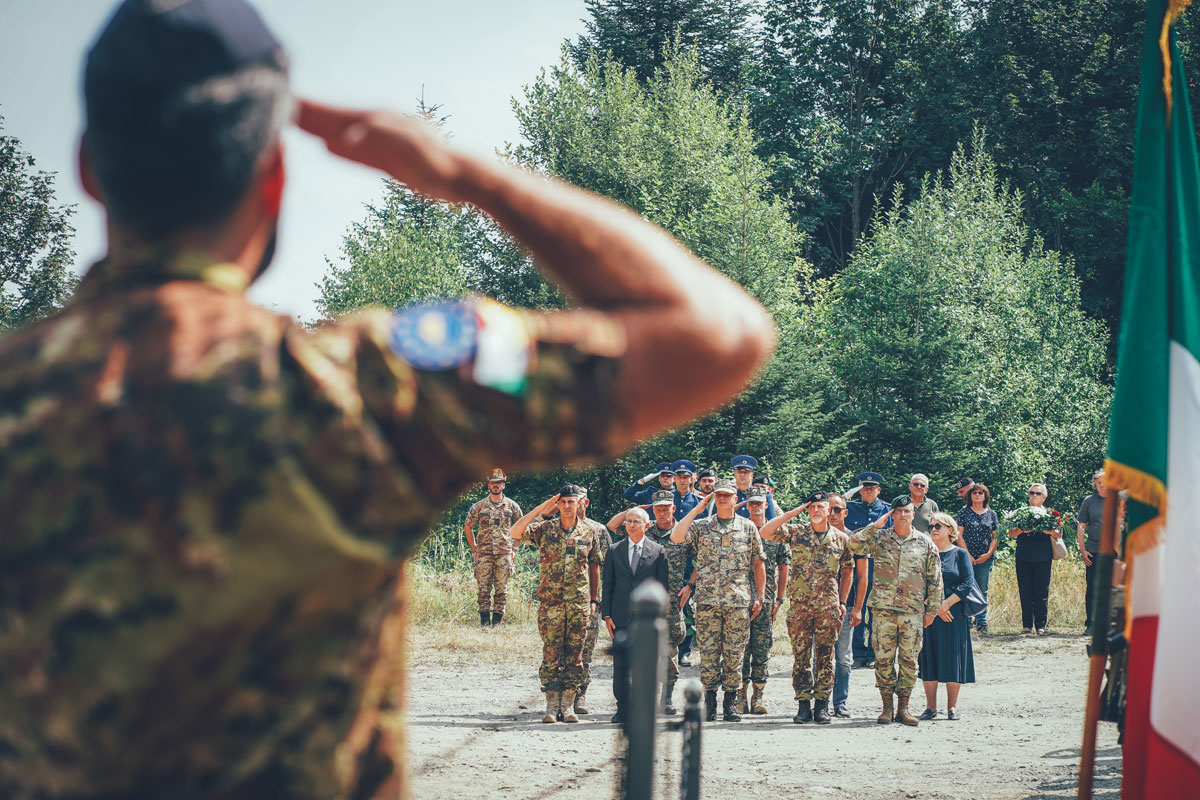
[908, 585]
[814, 616]
[493, 550]
[564, 598]
[604, 540]
[677, 555]
[206, 512]
[723, 556]
[758, 651]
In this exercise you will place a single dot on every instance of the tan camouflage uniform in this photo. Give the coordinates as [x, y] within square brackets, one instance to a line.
[493, 550]
[908, 585]
[723, 555]
[677, 555]
[814, 616]
[758, 650]
[207, 508]
[564, 599]
[604, 540]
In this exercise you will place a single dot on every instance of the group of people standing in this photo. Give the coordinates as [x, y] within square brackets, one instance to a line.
[727, 552]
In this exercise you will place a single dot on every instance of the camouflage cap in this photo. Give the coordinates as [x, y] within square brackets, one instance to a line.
[497, 475]
[664, 498]
[756, 494]
[725, 485]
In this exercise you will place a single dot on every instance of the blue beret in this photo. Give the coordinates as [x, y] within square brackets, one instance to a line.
[744, 462]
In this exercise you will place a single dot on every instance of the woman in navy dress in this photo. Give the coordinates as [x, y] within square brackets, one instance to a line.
[946, 655]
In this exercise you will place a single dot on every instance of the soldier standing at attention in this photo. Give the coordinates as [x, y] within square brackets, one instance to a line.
[568, 595]
[492, 548]
[743, 476]
[684, 497]
[859, 514]
[589, 643]
[725, 547]
[815, 610]
[211, 583]
[907, 595]
[758, 651]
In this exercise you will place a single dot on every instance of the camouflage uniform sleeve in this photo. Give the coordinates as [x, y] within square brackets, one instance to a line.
[516, 507]
[594, 556]
[533, 534]
[473, 516]
[847, 559]
[863, 542]
[934, 593]
[389, 444]
[757, 551]
[783, 555]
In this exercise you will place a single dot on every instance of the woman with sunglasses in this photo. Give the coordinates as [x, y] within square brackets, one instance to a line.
[1034, 558]
[977, 528]
[946, 655]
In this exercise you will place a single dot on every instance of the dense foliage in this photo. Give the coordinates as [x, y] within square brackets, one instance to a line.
[35, 240]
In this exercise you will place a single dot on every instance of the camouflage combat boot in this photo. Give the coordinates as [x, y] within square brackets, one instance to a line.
[886, 716]
[568, 706]
[668, 703]
[710, 705]
[756, 701]
[902, 714]
[742, 698]
[485, 618]
[552, 701]
[581, 702]
[729, 710]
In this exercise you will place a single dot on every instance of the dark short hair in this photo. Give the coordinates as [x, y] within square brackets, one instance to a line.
[987, 494]
[183, 158]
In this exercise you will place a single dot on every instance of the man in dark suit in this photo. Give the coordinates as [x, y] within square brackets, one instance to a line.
[629, 562]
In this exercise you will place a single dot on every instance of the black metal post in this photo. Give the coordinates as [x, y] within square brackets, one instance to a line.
[647, 631]
[689, 769]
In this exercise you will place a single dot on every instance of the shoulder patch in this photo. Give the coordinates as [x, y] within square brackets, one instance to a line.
[435, 336]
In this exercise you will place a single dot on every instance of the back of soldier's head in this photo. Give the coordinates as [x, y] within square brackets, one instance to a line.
[183, 98]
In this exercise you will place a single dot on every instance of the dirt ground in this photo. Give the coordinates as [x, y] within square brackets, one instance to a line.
[474, 730]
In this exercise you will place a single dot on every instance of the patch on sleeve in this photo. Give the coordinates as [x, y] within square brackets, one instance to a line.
[504, 349]
[435, 336]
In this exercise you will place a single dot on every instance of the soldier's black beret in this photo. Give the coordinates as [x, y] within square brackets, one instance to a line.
[158, 45]
[706, 473]
[818, 497]
[571, 490]
[900, 501]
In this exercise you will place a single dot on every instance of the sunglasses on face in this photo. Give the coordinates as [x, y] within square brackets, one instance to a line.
[1036, 494]
[919, 485]
[837, 510]
[937, 526]
[978, 491]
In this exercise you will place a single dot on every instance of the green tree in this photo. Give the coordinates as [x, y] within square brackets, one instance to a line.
[640, 34]
[35, 240]
[959, 346]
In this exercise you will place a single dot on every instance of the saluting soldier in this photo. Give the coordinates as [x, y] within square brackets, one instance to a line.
[604, 540]
[568, 595]
[906, 596]
[758, 651]
[725, 548]
[208, 506]
[642, 489]
[815, 610]
[492, 547]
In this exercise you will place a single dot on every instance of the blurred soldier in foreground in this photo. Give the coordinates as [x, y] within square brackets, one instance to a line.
[907, 594]
[568, 594]
[815, 610]
[758, 651]
[604, 540]
[727, 550]
[492, 548]
[207, 506]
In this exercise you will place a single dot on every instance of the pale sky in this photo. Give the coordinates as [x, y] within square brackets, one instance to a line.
[471, 56]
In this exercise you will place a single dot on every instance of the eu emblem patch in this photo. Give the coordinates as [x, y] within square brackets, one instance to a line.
[435, 336]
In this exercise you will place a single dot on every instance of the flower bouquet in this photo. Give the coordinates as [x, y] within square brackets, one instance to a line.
[1033, 518]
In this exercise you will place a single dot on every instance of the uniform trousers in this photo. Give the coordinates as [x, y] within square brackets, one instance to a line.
[813, 633]
[897, 639]
[563, 627]
[721, 635]
[491, 574]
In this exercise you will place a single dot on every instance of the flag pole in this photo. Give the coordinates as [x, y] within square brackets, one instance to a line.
[1098, 649]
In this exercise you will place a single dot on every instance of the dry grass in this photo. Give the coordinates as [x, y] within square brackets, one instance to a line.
[445, 618]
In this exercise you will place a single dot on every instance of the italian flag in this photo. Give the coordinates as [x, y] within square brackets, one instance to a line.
[1154, 433]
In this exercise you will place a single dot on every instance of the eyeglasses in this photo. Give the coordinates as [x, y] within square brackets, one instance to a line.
[1036, 494]
[978, 491]
[937, 526]
[919, 485]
